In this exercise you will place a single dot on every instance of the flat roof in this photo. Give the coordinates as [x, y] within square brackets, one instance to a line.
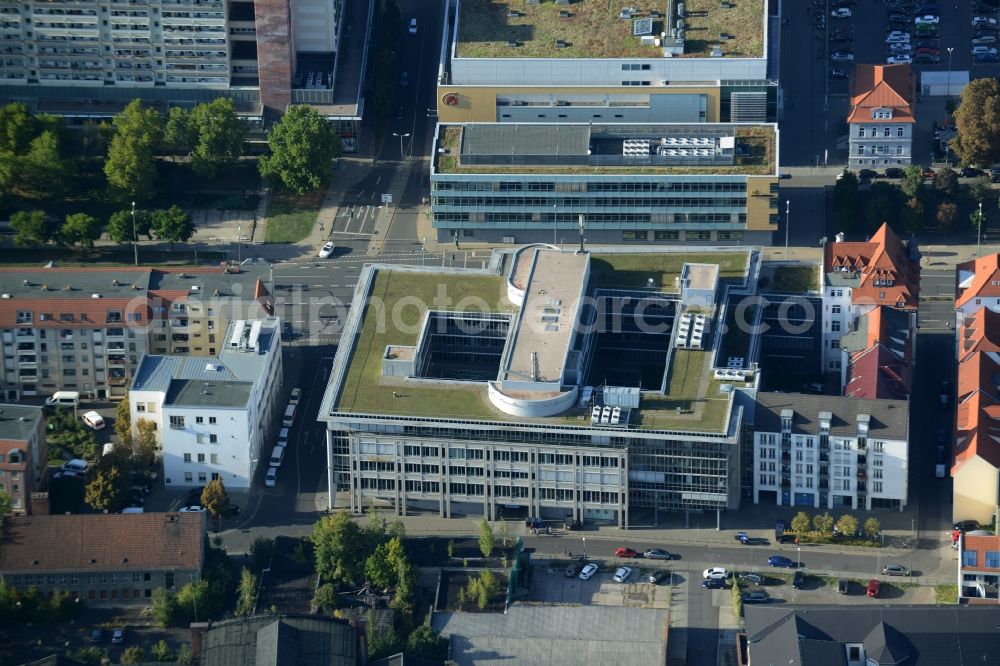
[18, 422]
[702, 276]
[396, 304]
[194, 393]
[599, 29]
[611, 148]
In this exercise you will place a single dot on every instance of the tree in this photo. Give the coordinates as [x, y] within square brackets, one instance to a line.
[123, 422]
[5, 506]
[17, 128]
[426, 643]
[912, 215]
[303, 146]
[487, 540]
[80, 229]
[977, 123]
[981, 188]
[246, 594]
[847, 525]
[946, 182]
[133, 654]
[913, 180]
[220, 135]
[161, 651]
[109, 487]
[382, 642]
[179, 133]
[880, 209]
[261, 551]
[144, 444]
[339, 544]
[172, 224]
[325, 599]
[379, 569]
[90, 654]
[872, 528]
[42, 171]
[845, 201]
[214, 498]
[801, 523]
[164, 607]
[977, 219]
[504, 533]
[31, 228]
[946, 214]
[823, 523]
[131, 163]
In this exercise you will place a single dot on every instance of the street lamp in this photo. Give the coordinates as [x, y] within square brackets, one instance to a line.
[401, 137]
[135, 237]
[584, 549]
[798, 557]
[788, 223]
[555, 223]
[239, 243]
[979, 227]
[948, 91]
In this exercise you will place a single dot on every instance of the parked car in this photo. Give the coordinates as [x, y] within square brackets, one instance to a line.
[588, 571]
[900, 49]
[927, 19]
[798, 580]
[873, 588]
[984, 50]
[327, 250]
[657, 554]
[841, 56]
[97, 636]
[867, 174]
[984, 40]
[271, 477]
[926, 58]
[118, 636]
[755, 597]
[781, 561]
[625, 552]
[899, 60]
[838, 74]
[715, 572]
[843, 586]
[193, 509]
[995, 175]
[985, 58]
[714, 584]
[983, 22]
[295, 396]
[622, 574]
[895, 570]
[658, 576]
[283, 437]
[573, 569]
[813, 387]
[893, 172]
[966, 525]
[754, 578]
[94, 420]
[927, 50]
[413, 26]
[404, 79]
[897, 36]
[841, 12]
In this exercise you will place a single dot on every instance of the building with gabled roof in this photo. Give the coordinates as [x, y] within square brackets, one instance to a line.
[103, 557]
[269, 640]
[878, 355]
[977, 285]
[882, 116]
[23, 453]
[860, 277]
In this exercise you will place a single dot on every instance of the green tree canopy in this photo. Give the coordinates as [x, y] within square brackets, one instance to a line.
[845, 202]
[912, 215]
[246, 593]
[220, 135]
[131, 163]
[946, 214]
[379, 569]
[144, 444]
[880, 209]
[109, 487]
[17, 128]
[823, 523]
[31, 228]
[426, 643]
[801, 522]
[981, 188]
[487, 540]
[913, 180]
[172, 224]
[872, 528]
[946, 182]
[42, 170]
[120, 225]
[977, 123]
[80, 229]
[338, 541]
[123, 422]
[179, 133]
[847, 524]
[303, 146]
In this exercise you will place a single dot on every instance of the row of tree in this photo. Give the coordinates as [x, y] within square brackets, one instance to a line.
[822, 526]
[81, 230]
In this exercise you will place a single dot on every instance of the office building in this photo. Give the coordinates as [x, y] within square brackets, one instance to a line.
[639, 62]
[830, 452]
[860, 276]
[24, 454]
[553, 384]
[86, 59]
[612, 183]
[214, 416]
[882, 116]
[103, 558]
[85, 329]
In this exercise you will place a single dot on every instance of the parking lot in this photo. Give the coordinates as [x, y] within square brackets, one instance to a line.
[553, 586]
[823, 590]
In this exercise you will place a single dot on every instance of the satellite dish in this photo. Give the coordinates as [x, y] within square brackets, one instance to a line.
[649, 282]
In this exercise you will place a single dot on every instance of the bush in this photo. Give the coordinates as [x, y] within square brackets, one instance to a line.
[162, 652]
[133, 655]
[737, 598]
[325, 598]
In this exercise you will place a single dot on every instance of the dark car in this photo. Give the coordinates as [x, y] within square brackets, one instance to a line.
[658, 576]
[573, 569]
[930, 50]
[893, 172]
[404, 79]
[797, 580]
[657, 554]
[844, 586]
[966, 525]
[971, 172]
[781, 561]
[867, 174]
[714, 584]
[97, 636]
[940, 453]
[754, 578]
[985, 58]
[995, 175]
[755, 597]
[927, 58]
[927, 44]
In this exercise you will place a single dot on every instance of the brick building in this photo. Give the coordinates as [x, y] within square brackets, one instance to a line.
[23, 454]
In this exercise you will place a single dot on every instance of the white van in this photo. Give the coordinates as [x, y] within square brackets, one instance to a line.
[94, 420]
[63, 399]
[289, 419]
[277, 455]
[283, 437]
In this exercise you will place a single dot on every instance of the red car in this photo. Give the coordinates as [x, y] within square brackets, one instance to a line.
[625, 552]
[872, 588]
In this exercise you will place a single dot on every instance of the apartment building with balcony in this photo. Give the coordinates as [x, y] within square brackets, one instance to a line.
[548, 384]
[860, 276]
[611, 183]
[214, 416]
[86, 329]
[830, 452]
[23, 454]
[85, 59]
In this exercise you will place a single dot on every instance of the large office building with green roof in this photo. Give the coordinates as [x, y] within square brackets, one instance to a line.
[554, 383]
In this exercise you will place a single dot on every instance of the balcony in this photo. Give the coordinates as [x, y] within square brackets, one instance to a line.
[117, 361]
[116, 380]
[862, 474]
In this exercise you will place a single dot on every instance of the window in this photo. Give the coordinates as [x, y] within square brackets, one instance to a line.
[834, 326]
[969, 558]
[899, 131]
[213, 439]
[188, 477]
[835, 309]
[887, 132]
[140, 407]
[187, 457]
[168, 580]
[214, 458]
[635, 235]
[211, 420]
[861, 150]
[202, 477]
[199, 419]
[176, 421]
[834, 344]
[993, 559]
[201, 457]
[861, 132]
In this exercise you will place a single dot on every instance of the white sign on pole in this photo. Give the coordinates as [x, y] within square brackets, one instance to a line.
[386, 198]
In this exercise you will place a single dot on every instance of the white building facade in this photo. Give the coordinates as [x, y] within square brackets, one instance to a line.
[214, 417]
[837, 317]
[830, 452]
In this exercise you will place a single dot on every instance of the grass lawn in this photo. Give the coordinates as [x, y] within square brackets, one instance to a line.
[686, 373]
[390, 320]
[946, 594]
[291, 217]
[795, 279]
[632, 270]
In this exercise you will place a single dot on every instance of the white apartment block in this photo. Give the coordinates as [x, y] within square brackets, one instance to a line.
[837, 317]
[214, 417]
[830, 452]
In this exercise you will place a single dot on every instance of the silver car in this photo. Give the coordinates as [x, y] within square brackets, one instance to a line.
[622, 574]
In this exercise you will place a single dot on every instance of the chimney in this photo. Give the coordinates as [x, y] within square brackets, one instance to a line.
[198, 630]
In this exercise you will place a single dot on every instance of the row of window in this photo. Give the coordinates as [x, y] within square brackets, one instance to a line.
[213, 458]
[991, 559]
[874, 131]
[455, 453]
[640, 202]
[703, 185]
[103, 578]
[880, 150]
[112, 317]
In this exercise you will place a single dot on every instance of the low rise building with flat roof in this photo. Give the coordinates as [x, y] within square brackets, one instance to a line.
[103, 557]
[614, 183]
[553, 384]
[214, 416]
[23, 454]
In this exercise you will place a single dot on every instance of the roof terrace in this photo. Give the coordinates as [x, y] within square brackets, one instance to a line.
[603, 29]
